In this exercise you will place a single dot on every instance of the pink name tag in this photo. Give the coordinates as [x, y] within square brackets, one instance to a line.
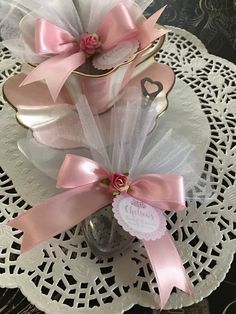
[139, 219]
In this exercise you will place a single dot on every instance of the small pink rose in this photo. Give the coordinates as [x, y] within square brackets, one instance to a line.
[119, 182]
[89, 43]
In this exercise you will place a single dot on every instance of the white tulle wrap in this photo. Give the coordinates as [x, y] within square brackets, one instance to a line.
[75, 16]
[134, 143]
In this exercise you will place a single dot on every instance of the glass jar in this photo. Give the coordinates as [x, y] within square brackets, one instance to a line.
[104, 235]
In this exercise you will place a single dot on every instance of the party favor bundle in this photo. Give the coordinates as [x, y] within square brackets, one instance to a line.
[102, 44]
[138, 177]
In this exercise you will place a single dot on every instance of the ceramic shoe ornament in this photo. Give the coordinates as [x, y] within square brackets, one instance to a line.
[58, 125]
[98, 42]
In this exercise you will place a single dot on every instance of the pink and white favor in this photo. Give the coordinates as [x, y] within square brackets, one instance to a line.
[100, 43]
[127, 185]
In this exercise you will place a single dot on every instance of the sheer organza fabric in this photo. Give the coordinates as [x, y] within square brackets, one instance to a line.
[75, 16]
[134, 143]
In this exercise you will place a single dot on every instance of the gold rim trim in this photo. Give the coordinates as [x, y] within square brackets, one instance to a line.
[157, 46]
[15, 109]
[27, 128]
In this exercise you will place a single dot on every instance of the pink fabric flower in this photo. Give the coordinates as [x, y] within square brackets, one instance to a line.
[89, 43]
[119, 182]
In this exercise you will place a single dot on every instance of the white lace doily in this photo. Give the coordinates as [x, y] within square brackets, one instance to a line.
[63, 276]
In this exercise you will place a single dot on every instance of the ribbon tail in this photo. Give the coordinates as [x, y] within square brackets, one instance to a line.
[148, 30]
[59, 213]
[55, 71]
[167, 267]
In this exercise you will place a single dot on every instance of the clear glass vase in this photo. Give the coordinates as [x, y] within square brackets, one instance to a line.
[104, 235]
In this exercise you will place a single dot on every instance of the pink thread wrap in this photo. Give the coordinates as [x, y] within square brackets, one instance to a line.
[63, 50]
[85, 195]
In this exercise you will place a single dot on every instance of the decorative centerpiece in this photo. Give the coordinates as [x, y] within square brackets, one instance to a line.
[97, 266]
[89, 81]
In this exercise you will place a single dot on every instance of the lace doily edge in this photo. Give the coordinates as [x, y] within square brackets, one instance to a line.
[125, 302]
[194, 39]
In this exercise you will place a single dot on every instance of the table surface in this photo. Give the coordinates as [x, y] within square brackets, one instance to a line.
[214, 23]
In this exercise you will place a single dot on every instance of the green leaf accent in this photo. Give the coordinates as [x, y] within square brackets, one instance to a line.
[116, 193]
[106, 181]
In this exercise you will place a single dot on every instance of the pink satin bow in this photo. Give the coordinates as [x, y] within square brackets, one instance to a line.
[63, 50]
[85, 195]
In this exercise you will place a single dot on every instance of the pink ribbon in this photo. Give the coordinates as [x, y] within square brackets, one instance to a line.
[167, 267]
[85, 195]
[65, 55]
